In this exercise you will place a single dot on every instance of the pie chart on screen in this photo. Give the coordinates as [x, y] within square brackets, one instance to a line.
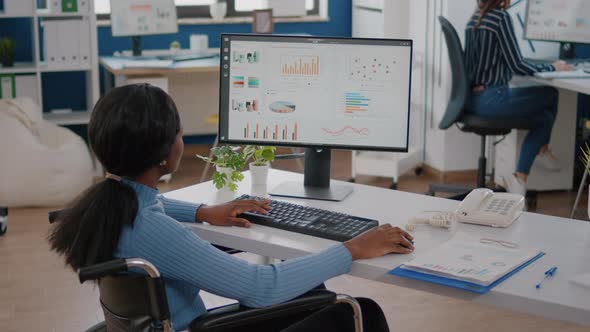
[282, 107]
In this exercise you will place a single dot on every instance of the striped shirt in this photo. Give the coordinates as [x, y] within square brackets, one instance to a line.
[188, 263]
[492, 54]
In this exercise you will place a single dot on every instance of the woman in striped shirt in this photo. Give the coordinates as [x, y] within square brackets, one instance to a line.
[136, 134]
[492, 57]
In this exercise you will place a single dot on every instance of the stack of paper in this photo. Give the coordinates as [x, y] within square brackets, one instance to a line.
[466, 259]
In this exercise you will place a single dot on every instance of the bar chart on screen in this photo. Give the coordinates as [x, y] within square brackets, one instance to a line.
[272, 131]
[355, 102]
[300, 65]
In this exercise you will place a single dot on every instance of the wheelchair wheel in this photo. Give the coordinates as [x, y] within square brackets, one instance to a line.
[3, 220]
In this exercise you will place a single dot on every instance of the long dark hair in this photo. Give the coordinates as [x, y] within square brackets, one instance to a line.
[485, 6]
[131, 130]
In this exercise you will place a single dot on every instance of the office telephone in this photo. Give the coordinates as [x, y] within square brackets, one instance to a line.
[485, 207]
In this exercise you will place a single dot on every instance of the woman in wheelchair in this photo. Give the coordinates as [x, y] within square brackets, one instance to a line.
[136, 134]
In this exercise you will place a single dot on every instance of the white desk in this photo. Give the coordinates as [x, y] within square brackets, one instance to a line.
[566, 242]
[190, 83]
[563, 137]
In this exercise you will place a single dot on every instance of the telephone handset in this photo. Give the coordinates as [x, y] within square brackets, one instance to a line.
[485, 207]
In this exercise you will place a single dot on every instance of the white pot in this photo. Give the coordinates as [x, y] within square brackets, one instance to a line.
[227, 171]
[259, 174]
[218, 10]
[589, 201]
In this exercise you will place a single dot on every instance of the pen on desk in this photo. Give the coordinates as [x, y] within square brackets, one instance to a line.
[548, 273]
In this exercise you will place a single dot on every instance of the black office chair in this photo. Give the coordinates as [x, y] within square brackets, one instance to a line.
[457, 114]
[138, 303]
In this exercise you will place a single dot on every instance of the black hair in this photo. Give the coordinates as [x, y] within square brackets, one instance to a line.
[131, 130]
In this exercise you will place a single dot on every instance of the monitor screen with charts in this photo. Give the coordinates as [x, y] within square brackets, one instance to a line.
[143, 17]
[340, 93]
[558, 20]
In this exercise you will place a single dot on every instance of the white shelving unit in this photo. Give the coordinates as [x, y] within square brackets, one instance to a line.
[38, 67]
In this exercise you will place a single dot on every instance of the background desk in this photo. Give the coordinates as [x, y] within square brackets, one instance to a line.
[563, 137]
[192, 84]
[566, 242]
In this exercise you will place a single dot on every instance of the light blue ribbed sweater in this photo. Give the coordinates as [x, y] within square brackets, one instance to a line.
[188, 264]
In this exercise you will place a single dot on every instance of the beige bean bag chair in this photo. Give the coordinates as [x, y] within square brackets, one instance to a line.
[41, 164]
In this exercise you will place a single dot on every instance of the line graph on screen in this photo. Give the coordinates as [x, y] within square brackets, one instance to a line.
[347, 131]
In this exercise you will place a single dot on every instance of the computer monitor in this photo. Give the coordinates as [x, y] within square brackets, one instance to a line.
[136, 18]
[562, 21]
[320, 93]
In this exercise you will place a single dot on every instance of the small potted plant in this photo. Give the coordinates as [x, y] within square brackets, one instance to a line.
[7, 47]
[261, 157]
[228, 163]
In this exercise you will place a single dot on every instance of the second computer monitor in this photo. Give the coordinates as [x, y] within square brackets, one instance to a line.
[558, 20]
[136, 18]
[315, 92]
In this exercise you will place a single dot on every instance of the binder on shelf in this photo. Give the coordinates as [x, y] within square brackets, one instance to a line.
[72, 35]
[69, 6]
[83, 6]
[19, 7]
[50, 42]
[84, 42]
[7, 86]
[62, 43]
[66, 6]
[26, 86]
[67, 41]
[54, 6]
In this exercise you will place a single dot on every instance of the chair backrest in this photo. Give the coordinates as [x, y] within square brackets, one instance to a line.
[130, 302]
[460, 88]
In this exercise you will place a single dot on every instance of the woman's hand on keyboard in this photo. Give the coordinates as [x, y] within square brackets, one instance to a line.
[227, 214]
[380, 241]
[561, 65]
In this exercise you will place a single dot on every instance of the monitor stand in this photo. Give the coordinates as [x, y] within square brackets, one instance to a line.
[136, 45]
[567, 51]
[316, 180]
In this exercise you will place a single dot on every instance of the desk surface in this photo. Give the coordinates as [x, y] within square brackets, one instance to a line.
[566, 242]
[579, 85]
[115, 65]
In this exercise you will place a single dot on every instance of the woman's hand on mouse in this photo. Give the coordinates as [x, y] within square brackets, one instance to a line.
[380, 241]
[561, 65]
[226, 214]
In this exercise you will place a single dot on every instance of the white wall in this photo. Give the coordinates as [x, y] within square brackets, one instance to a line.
[450, 149]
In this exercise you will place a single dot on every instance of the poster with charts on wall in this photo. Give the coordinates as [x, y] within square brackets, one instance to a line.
[466, 259]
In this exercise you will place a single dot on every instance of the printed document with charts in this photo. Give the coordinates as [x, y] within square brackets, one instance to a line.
[466, 259]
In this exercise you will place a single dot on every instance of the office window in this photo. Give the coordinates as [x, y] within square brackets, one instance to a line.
[200, 8]
[186, 8]
[245, 7]
[249, 5]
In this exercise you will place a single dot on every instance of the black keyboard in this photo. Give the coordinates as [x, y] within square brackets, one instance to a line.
[310, 221]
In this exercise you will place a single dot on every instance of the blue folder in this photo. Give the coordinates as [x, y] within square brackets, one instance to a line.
[468, 286]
